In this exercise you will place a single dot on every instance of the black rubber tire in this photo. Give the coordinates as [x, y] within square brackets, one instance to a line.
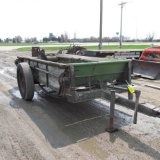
[25, 81]
[80, 52]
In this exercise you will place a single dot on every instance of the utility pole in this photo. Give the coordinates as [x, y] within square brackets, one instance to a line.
[100, 28]
[120, 40]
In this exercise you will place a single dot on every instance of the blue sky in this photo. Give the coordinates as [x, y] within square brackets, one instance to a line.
[37, 18]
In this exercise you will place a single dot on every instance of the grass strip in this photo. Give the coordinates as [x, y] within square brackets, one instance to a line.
[105, 47]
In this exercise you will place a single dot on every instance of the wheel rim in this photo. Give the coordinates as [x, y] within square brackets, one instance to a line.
[80, 52]
[22, 83]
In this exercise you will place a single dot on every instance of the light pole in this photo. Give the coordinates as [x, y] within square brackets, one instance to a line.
[136, 30]
[120, 41]
[136, 26]
[100, 27]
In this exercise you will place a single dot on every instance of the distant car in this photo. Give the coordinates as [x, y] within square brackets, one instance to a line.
[35, 43]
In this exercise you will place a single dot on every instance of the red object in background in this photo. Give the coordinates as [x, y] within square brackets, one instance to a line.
[151, 54]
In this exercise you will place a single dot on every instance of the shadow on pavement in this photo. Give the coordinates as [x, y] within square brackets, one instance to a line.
[63, 123]
[135, 144]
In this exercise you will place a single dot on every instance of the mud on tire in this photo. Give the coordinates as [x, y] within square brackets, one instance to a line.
[25, 81]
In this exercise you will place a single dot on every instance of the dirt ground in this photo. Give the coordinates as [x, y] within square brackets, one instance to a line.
[51, 128]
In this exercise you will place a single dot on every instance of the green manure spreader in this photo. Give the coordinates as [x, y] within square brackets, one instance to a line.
[73, 77]
[77, 78]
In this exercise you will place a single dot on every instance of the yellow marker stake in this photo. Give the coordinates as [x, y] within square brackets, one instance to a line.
[130, 88]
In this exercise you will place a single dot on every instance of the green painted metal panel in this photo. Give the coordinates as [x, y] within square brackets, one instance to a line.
[94, 72]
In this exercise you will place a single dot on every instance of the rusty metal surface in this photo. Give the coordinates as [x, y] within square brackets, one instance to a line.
[72, 49]
[61, 65]
[35, 51]
[111, 128]
[137, 95]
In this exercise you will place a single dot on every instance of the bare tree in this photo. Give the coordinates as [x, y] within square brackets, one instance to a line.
[1, 41]
[65, 37]
[28, 40]
[8, 40]
[75, 35]
[62, 38]
[150, 37]
[17, 39]
[34, 40]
